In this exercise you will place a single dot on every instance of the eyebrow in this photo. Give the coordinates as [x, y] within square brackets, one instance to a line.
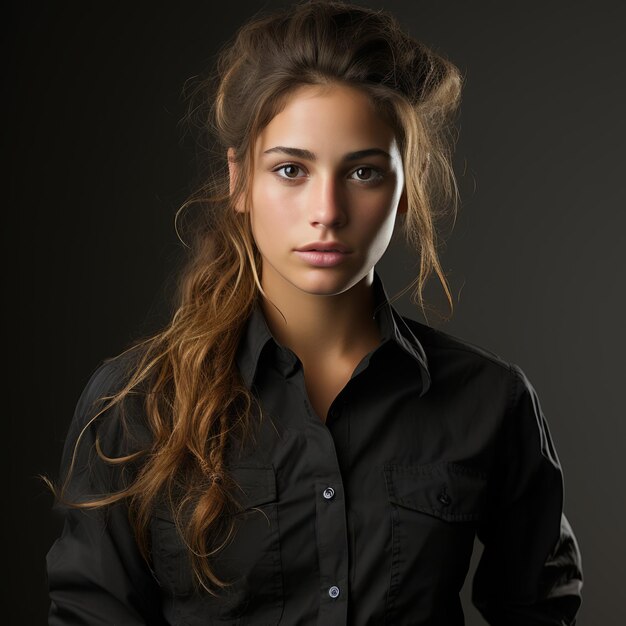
[300, 153]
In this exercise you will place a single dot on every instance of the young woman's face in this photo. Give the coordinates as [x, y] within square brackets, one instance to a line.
[326, 187]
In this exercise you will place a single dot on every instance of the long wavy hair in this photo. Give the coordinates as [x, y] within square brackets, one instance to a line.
[194, 401]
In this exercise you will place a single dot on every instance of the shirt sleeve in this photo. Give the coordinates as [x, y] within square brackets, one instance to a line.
[530, 572]
[96, 574]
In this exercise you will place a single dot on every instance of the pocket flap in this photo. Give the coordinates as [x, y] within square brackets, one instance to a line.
[449, 491]
[256, 485]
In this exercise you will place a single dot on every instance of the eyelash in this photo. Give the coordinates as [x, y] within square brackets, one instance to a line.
[378, 174]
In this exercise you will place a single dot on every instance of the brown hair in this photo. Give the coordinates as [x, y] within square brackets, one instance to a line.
[194, 400]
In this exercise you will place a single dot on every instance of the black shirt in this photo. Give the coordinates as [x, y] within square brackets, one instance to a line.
[366, 518]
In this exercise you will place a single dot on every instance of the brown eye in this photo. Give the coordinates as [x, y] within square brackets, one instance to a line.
[367, 174]
[288, 171]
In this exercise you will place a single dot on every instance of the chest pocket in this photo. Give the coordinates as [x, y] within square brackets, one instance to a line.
[448, 491]
[434, 511]
[250, 561]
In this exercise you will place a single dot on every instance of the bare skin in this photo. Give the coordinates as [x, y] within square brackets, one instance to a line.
[329, 350]
[327, 171]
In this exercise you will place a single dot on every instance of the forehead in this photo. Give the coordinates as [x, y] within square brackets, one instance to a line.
[327, 119]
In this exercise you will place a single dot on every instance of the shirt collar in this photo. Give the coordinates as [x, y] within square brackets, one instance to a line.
[393, 328]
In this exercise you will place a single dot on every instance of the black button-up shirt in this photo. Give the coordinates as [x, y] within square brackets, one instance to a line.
[366, 518]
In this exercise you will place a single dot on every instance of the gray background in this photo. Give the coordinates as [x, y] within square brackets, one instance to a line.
[97, 165]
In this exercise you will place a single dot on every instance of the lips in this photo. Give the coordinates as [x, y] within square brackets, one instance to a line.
[323, 254]
[324, 246]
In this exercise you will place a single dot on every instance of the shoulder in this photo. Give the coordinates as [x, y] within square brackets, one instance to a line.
[101, 429]
[96, 416]
[453, 358]
[437, 343]
[109, 377]
[460, 368]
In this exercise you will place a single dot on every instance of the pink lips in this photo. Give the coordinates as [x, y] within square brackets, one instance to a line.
[323, 254]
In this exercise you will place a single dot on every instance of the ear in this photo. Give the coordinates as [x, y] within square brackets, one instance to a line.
[233, 173]
[403, 204]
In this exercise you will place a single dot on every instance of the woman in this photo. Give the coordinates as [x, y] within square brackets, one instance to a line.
[289, 449]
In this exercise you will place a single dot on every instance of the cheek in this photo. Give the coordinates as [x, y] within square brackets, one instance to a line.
[383, 237]
[377, 231]
[377, 221]
[272, 216]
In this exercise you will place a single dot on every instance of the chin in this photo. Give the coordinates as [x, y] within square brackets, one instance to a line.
[310, 280]
[325, 282]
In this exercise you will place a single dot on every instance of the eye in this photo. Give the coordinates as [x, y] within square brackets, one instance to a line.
[289, 171]
[367, 174]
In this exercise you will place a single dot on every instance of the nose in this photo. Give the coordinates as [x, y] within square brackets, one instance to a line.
[328, 204]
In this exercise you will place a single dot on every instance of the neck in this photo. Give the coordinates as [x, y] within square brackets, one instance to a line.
[316, 327]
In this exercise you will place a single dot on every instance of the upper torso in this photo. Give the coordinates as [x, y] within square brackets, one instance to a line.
[365, 517]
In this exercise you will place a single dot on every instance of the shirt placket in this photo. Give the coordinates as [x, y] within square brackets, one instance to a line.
[332, 546]
[330, 522]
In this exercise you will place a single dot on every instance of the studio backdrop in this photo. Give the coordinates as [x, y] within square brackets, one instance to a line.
[97, 164]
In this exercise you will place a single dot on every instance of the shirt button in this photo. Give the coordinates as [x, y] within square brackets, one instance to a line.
[329, 493]
[444, 498]
[333, 592]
